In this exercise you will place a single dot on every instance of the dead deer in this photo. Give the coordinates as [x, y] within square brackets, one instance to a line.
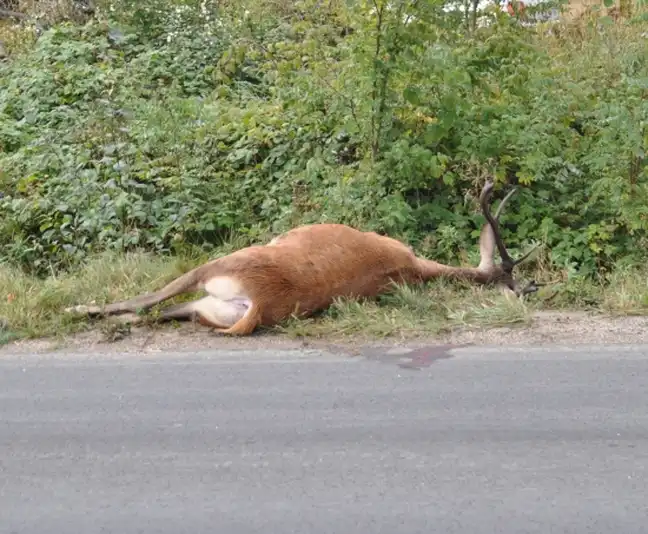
[306, 269]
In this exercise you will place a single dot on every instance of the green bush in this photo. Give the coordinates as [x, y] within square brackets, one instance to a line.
[165, 127]
[100, 155]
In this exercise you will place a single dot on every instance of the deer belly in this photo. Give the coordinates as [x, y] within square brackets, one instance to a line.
[369, 285]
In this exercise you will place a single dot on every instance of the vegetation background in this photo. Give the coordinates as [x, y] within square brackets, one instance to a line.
[139, 137]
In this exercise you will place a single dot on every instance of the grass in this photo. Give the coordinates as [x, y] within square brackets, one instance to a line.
[32, 307]
[414, 311]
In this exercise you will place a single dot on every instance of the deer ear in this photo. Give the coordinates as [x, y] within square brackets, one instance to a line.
[486, 248]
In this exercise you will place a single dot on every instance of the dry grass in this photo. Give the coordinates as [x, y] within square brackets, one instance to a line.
[17, 36]
[31, 307]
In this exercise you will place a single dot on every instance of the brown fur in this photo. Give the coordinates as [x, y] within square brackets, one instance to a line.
[305, 270]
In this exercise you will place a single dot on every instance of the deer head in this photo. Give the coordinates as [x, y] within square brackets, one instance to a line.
[490, 238]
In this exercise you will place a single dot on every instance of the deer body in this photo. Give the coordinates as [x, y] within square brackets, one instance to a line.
[301, 272]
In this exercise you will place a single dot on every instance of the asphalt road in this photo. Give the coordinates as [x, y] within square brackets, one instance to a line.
[476, 440]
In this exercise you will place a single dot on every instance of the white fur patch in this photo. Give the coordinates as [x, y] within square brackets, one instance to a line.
[225, 288]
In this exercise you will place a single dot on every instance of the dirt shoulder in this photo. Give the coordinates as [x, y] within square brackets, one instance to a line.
[546, 328]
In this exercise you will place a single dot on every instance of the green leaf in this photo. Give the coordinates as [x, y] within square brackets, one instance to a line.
[411, 95]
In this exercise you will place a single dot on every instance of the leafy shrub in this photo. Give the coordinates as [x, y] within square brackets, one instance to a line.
[170, 125]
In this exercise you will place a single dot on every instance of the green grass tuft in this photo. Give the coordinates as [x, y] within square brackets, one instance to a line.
[31, 307]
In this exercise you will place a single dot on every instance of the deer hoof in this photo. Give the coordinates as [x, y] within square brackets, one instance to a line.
[83, 310]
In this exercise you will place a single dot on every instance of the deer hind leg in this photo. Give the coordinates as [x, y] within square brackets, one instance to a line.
[237, 317]
[208, 311]
[187, 282]
[245, 325]
[230, 310]
[227, 317]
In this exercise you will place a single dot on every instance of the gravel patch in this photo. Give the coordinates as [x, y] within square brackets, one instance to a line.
[576, 328]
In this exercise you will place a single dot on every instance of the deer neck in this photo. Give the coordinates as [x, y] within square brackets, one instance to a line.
[429, 270]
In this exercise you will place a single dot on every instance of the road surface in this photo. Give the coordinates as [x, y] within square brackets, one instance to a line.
[471, 440]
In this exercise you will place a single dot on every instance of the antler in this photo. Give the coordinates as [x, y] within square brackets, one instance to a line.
[508, 263]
